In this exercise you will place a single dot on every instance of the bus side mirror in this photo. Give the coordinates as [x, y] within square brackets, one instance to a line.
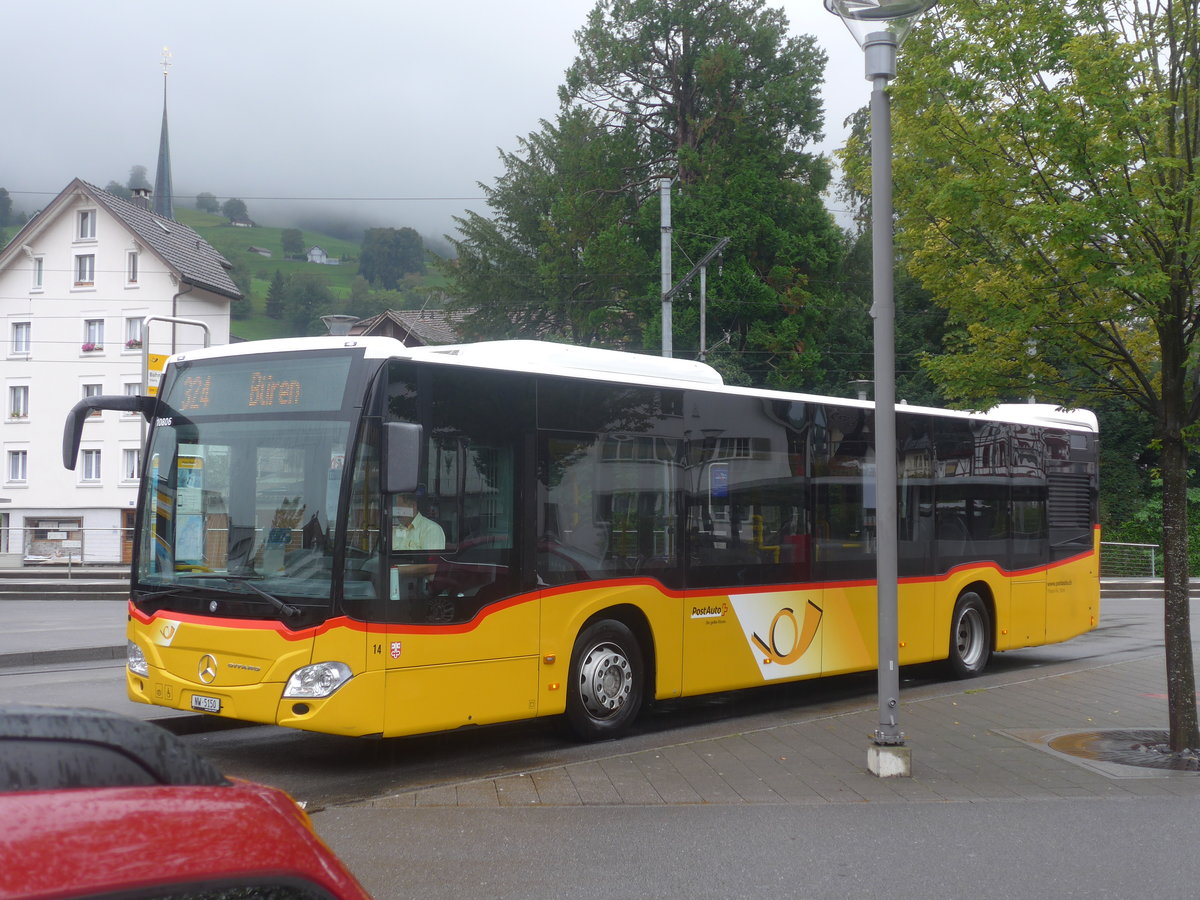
[401, 457]
[73, 429]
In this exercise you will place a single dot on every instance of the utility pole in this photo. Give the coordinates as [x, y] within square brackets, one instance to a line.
[700, 268]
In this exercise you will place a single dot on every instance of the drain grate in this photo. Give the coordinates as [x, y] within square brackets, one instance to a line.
[1145, 748]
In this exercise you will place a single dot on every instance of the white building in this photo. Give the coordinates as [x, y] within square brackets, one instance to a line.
[319, 256]
[76, 284]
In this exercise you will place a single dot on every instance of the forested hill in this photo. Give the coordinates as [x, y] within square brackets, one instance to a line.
[287, 294]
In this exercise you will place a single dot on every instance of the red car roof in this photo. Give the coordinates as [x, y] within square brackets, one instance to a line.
[80, 842]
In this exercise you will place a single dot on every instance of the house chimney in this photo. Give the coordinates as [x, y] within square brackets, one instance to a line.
[141, 197]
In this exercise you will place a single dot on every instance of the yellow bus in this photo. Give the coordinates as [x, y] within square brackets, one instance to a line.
[349, 536]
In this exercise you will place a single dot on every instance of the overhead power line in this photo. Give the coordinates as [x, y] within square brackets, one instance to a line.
[314, 199]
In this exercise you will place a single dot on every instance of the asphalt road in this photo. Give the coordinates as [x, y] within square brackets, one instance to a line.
[979, 850]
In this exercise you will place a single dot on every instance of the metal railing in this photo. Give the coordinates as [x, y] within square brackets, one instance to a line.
[1119, 560]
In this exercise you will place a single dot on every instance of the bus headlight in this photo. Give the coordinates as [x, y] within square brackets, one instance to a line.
[136, 660]
[317, 680]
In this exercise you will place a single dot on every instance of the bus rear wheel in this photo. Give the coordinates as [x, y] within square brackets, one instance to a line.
[605, 689]
[970, 636]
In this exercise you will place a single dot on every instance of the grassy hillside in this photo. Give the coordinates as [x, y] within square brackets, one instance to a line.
[235, 243]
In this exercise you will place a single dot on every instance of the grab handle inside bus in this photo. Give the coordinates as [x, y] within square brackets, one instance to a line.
[401, 457]
[73, 430]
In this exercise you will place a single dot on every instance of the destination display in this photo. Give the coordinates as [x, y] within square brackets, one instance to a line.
[262, 385]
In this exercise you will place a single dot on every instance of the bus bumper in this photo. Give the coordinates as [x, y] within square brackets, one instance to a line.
[351, 710]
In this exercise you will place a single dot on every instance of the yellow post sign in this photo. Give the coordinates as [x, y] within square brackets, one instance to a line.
[155, 363]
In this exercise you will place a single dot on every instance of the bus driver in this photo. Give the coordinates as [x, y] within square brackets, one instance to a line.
[411, 530]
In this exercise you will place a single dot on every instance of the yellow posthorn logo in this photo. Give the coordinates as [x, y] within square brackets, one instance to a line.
[802, 637]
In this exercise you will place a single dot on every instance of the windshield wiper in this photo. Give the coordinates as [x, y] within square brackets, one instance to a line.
[159, 595]
[176, 590]
[286, 608]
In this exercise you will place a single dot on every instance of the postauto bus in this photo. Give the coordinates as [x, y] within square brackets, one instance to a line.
[349, 536]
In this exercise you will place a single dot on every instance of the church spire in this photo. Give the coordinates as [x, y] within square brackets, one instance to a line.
[162, 177]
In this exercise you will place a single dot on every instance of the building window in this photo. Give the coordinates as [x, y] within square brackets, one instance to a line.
[131, 464]
[17, 461]
[132, 389]
[91, 465]
[87, 224]
[93, 390]
[20, 337]
[85, 270]
[39, 273]
[131, 267]
[93, 335]
[18, 401]
[133, 333]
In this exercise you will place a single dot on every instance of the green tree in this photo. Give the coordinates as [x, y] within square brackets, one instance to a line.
[388, 254]
[560, 255]
[235, 210]
[119, 190]
[920, 323]
[276, 293]
[138, 180]
[206, 202]
[693, 75]
[241, 275]
[1046, 170]
[293, 242]
[720, 95]
[715, 94]
[306, 298]
[364, 302]
[1142, 524]
[6, 218]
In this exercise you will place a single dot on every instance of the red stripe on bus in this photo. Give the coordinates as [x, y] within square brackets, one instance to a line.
[611, 583]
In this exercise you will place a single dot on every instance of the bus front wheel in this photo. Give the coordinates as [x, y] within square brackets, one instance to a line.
[970, 636]
[605, 690]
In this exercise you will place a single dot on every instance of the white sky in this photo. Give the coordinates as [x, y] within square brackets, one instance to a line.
[354, 99]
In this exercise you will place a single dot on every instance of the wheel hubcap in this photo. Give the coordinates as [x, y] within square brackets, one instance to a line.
[969, 637]
[605, 680]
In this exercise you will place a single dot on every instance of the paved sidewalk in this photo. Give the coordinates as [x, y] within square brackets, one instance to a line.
[968, 743]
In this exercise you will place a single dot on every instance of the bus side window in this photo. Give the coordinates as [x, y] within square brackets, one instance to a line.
[608, 506]
[747, 510]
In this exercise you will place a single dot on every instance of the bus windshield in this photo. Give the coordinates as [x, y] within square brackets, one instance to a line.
[245, 504]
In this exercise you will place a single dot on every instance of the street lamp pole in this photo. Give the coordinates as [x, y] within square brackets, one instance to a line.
[880, 26]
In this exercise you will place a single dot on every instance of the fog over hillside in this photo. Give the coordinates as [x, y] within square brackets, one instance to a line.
[361, 113]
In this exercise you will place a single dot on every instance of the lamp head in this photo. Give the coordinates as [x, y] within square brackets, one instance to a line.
[867, 18]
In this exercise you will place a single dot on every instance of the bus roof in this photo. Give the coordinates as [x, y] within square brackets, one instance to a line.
[549, 358]
[567, 359]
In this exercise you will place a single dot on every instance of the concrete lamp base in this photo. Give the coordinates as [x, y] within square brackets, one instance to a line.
[889, 762]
